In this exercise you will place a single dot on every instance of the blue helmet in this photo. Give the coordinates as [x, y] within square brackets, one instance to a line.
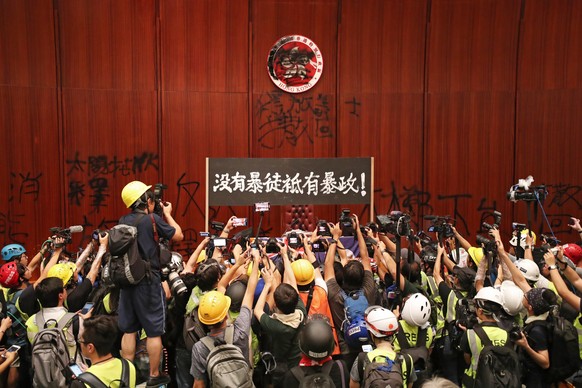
[10, 251]
[356, 332]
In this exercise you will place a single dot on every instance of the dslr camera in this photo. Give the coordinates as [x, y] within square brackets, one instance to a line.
[497, 217]
[346, 223]
[323, 228]
[171, 273]
[271, 246]
[294, 240]
[158, 194]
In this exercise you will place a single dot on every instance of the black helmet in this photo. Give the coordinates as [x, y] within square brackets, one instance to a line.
[236, 292]
[316, 338]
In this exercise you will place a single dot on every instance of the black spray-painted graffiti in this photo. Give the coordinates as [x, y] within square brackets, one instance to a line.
[99, 169]
[282, 118]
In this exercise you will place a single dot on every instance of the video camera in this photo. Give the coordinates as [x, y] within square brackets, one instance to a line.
[523, 191]
[396, 223]
[440, 225]
[64, 233]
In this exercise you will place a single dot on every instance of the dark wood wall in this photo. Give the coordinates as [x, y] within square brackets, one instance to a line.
[455, 99]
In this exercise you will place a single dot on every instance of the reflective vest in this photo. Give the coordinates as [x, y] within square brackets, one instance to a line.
[320, 305]
[498, 337]
[452, 300]
[578, 326]
[411, 333]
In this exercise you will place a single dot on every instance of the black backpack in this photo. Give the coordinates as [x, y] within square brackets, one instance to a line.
[418, 353]
[94, 382]
[125, 266]
[318, 379]
[498, 366]
[563, 348]
[193, 330]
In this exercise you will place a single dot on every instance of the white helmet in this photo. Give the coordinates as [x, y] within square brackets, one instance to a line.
[416, 310]
[490, 294]
[380, 322]
[512, 297]
[530, 269]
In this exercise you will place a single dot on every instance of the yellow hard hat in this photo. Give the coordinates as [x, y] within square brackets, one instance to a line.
[63, 271]
[476, 254]
[303, 271]
[132, 191]
[213, 307]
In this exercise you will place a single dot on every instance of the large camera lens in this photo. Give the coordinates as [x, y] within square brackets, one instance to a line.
[176, 284]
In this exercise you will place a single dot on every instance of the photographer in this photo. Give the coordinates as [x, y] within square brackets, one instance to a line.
[142, 306]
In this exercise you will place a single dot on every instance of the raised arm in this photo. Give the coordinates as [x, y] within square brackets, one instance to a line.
[516, 274]
[362, 245]
[167, 210]
[572, 299]
[96, 265]
[240, 259]
[328, 271]
[191, 263]
[464, 243]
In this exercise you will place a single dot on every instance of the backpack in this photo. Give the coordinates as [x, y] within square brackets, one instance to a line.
[125, 266]
[193, 330]
[94, 381]
[50, 353]
[319, 379]
[354, 326]
[418, 353]
[562, 347]
[226, 366]
[383, 372]
[18, 336]
[498, 366]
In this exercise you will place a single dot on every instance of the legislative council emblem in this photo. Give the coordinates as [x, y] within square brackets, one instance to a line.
[295, 63]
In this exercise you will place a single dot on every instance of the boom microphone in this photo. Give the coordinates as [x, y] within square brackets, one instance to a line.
[75, 229]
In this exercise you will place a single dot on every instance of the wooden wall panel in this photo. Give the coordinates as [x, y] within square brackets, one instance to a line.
[455, 99]
[103, 152]
[381, 82]
[294, 125]
[31, 194]
[470, 112]
[548, 130]
[551, 45]
[473, 45]
[205, 45]
[27, 43]
[107, 44]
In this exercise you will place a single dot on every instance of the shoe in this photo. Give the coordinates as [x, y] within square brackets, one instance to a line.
[156, 381]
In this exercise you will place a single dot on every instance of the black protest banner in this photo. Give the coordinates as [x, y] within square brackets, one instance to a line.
[286, 181]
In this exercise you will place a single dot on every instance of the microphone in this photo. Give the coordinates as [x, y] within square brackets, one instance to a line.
[75, 229]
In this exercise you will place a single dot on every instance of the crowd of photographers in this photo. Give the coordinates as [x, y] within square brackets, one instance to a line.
[342, 305]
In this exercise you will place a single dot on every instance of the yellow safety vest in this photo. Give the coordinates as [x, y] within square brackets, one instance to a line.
[496, 335]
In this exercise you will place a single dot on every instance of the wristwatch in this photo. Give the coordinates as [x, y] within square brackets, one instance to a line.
[551, 267]
[526, 247]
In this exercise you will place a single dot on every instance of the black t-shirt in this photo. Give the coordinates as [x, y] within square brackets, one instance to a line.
[148, 247]
[76, 298]
[537, 338]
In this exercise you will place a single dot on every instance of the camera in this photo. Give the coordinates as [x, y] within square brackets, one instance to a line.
[550, 240]
[423, 238]
[318, 246]
[497, 218]
[467, 313]
[523, 191]
[171, 273]
[158, 194]
[272, 246]
[217, 226]
[517, 226]
[293, 240]
[346, 223]
[396, 223]
[441, 226]
[65, 233]
[515, 333]
[239, 222]
[323, 228]
[487, 244]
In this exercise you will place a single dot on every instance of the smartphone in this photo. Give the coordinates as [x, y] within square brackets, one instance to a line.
[219, 242]
[571, 221]
[88, 306]
[75, 369]
[204, 234]
[239, 222]
[13, 348]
